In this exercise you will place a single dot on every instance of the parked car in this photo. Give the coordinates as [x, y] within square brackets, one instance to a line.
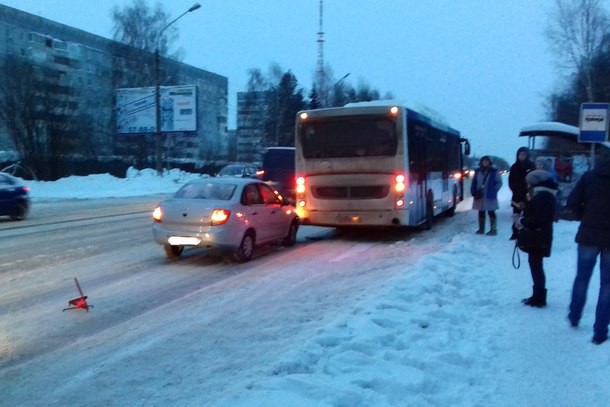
[14, 197]
[278, 169]
[233, 215]
[238, 170]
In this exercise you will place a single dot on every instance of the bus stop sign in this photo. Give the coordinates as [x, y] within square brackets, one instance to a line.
[593, 123]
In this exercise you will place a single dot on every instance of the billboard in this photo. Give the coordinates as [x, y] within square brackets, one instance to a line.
[136, 111]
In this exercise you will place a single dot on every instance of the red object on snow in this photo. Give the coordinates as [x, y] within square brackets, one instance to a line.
[80, 302]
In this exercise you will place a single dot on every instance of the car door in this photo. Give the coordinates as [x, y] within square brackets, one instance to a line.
[6, 192]
[256, 212]
[275, 217]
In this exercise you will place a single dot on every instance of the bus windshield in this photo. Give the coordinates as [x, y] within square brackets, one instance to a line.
[349, 137]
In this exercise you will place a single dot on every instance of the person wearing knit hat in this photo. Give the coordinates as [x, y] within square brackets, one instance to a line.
[537, 223]
[484, 188]
[516, 182]
[590, 200]
[537, 177]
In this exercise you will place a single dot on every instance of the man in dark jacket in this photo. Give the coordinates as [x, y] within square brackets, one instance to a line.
[517, 184]
[538, 218]
[590, 200]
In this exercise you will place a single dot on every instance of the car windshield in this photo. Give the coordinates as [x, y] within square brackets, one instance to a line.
[207, 190]
[232, 171]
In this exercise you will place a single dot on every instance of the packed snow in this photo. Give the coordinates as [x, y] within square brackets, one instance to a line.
[135, 183]
[447, 330]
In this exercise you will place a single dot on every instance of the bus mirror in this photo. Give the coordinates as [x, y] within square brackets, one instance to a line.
[466, 147]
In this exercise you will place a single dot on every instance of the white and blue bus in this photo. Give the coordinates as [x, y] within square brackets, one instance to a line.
[376, 164]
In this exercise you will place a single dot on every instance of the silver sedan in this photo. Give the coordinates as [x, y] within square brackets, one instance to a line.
[231, 214]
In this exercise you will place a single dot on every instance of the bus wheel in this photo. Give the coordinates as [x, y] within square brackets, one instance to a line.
[429, 216]
[451, 210]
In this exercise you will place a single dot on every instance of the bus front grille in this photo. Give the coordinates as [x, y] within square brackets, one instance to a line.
[351, 192]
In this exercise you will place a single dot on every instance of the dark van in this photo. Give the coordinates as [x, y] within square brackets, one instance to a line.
[278, 167]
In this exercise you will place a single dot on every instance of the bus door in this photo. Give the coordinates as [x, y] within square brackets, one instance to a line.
[444, 151]
[417, 166]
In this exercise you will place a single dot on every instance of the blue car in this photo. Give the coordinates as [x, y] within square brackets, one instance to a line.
[14, 197]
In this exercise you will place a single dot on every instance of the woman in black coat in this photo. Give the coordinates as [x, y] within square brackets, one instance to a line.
[516, 181]
[538, 218]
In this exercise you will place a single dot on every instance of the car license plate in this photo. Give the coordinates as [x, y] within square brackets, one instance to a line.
[183, 241]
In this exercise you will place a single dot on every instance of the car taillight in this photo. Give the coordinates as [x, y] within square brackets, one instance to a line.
[26, 189]
[157, 214]
[220, 216]
[457, 175]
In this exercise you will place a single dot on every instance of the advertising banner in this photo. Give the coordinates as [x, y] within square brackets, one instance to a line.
[136, 113]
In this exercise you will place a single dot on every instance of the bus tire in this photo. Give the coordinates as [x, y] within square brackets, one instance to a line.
[451, 211]
[429, 215]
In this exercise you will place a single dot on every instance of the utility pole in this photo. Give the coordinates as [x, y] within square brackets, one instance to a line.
[158, 150]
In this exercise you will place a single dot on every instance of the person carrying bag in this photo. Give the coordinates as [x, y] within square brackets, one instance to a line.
[484, 188]
[535, 230]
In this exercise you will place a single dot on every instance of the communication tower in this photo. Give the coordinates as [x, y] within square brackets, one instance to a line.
[320, 73]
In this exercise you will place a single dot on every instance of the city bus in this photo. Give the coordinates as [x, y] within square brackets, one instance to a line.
[376, 164]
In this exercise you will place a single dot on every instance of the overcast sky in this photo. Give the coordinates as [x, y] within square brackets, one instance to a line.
[485, 66]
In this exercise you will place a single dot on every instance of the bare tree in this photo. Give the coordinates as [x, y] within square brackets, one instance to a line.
[576, 34]
[139, 30]
[40, 111]
[139, 26]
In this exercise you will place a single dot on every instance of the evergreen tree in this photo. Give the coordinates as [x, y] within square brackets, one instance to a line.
[314, 99]
[283, 103]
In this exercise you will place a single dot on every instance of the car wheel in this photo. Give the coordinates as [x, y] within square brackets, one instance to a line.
[291, 238]
[172, 251]
[21, 211]
[246, 248]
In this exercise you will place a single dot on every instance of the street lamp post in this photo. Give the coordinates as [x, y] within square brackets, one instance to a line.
[333, 87]
[158, 92]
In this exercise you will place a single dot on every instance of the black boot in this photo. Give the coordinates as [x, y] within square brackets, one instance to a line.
[514, 235]
[538, 299]
[481, 224]
[494, 230]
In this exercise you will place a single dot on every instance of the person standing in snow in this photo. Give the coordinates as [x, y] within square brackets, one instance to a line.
[538, 217]
[484, 188]
[547, 165]
[590, 200]
[516, 181]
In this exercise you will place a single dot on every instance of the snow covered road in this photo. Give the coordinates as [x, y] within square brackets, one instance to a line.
[380, 318]
[243, 316]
